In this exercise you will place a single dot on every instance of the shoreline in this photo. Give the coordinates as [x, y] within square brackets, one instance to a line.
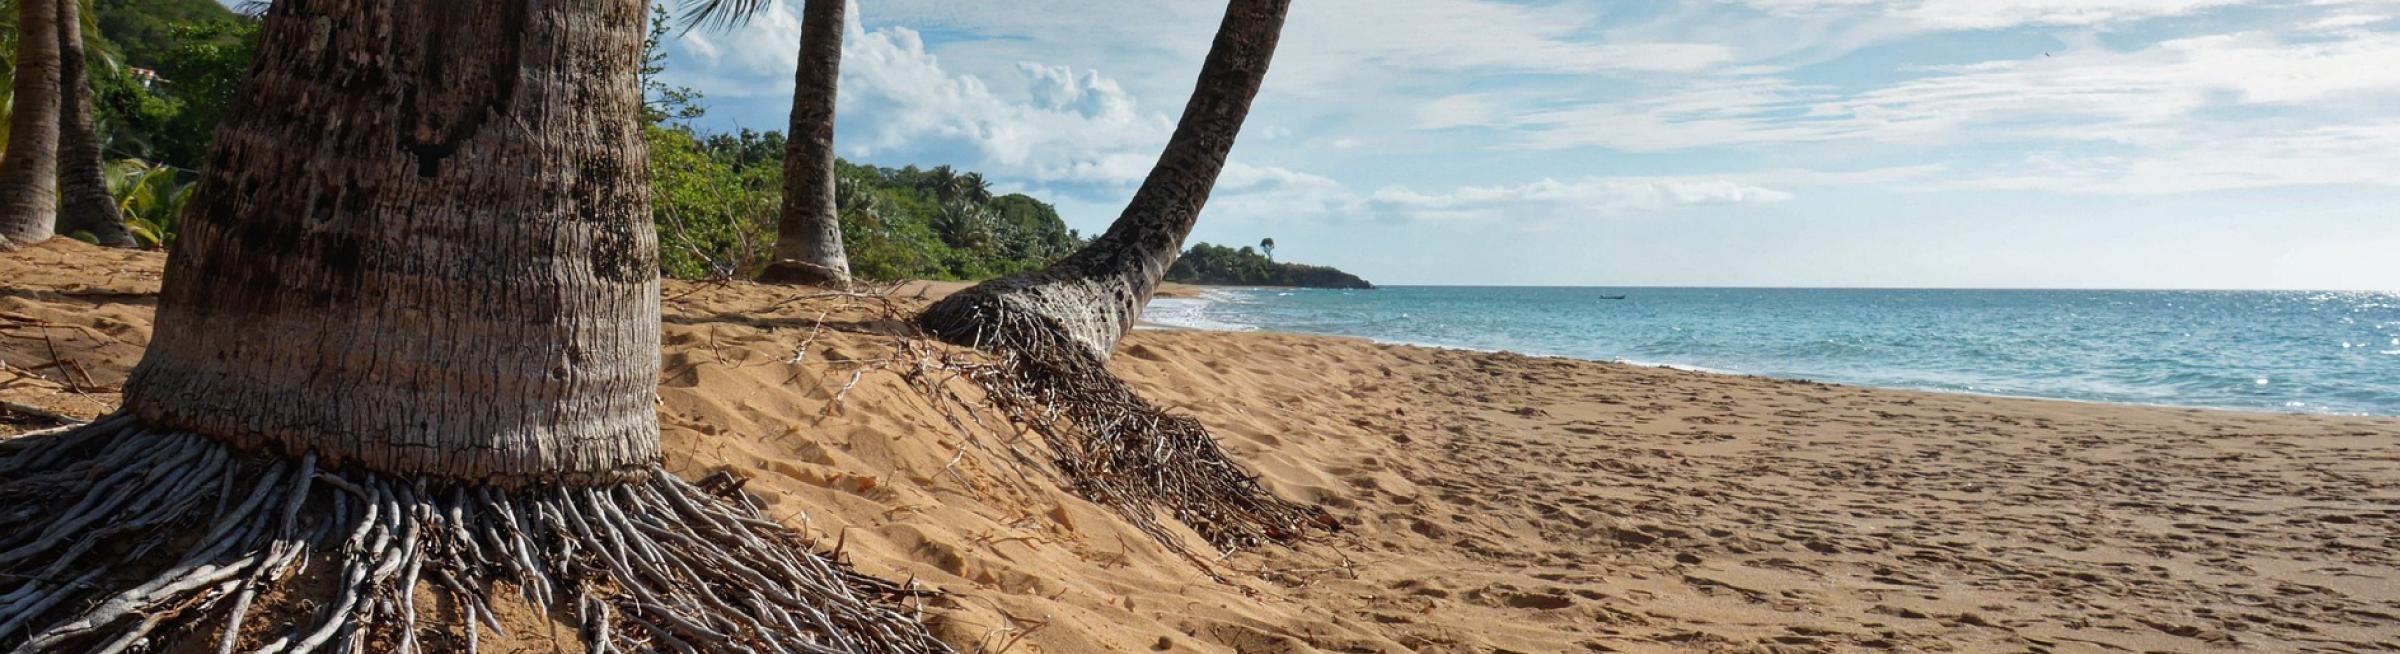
[1200, 295]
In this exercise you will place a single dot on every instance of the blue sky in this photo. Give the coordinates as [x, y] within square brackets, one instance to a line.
[1957, 143]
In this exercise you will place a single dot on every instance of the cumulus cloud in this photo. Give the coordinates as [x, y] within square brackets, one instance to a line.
[1034, 122]
[1071, 126]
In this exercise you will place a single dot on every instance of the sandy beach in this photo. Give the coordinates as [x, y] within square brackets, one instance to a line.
[1493, 502]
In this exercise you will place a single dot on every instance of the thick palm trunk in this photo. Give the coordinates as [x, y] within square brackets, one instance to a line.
[808, 240]
[410, 335]
[1090, 299]
[84, 203]
[29, 174]
[420, 247]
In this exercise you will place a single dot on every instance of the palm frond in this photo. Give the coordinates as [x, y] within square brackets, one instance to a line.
[721, 14]
[151, 197]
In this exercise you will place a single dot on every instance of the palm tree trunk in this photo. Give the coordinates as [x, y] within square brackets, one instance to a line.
[384, 246]
[410, 334]
[84, 203]
[808, 240]
[1090, 299]
[29, 174]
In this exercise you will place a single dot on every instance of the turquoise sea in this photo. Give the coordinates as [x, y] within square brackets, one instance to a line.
[2295, 351]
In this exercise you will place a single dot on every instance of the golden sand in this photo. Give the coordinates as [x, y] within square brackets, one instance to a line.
[1495, 503]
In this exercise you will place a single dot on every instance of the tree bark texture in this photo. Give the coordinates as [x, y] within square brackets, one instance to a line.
[1092, 297]
[84, 202]
[421, 245]
[29, 174]
[808, 236]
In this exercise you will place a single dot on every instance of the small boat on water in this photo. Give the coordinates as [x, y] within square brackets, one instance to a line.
[1612, 297]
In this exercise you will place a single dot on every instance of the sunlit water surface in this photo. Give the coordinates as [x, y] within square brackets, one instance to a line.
[2314, 352]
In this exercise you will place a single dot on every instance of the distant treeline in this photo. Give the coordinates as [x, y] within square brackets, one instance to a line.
[716, 197]
[1224, 266]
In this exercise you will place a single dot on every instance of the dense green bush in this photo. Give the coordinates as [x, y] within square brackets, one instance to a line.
[144, 33]
[717, 197]
[714, 220]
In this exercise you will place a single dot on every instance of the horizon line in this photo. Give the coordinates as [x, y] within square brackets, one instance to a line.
[2395, 291]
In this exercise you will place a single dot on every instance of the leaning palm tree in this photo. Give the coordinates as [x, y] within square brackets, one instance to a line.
[1054, 327]
[84, 202]
[1092, 298]
[808, 235]
[408, 345]
[28, 174]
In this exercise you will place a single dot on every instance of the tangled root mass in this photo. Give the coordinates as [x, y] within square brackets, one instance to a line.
[1111, 445]
[127, 537]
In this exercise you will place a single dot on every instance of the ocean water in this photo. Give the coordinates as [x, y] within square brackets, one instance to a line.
[2309, 352]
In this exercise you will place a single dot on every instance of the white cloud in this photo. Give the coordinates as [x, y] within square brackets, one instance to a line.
[2166, 82]
[1460, 35]
[2367, 155]
[1032, 121]
[2243, 110]
[1997, 14]
[736, 63]
[1548, 198]
[1073, 126]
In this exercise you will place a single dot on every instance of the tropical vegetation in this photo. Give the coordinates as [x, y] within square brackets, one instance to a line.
[1223, 266]
[716, 195]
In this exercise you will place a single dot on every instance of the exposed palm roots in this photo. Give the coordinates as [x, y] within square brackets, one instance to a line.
[125, 537]
[1108, 443]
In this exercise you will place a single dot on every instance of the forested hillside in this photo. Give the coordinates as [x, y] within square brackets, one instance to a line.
[1224, 266]
[144, 32]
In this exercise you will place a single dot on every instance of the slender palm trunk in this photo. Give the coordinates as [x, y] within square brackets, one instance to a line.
[84, 203]
[410, 334]
[29, 174]
[1090, 299]
[808, 240]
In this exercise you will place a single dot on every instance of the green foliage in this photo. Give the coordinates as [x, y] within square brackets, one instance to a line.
[714, 221]
[1217, 264]
[144, 32]
[716, 199]
[151, 196]
[912, 223]
[206, 68]
[170, 121]
[748, 148]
